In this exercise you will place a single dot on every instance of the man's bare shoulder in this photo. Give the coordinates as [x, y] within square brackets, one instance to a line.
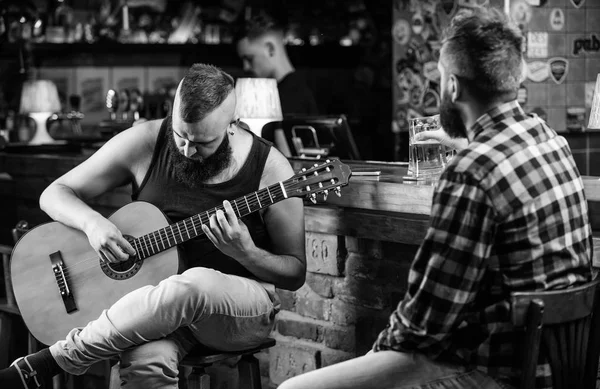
[144, 134]
[131, 149]
[277, 168]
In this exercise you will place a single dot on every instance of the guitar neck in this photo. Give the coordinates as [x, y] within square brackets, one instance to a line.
[190, 228]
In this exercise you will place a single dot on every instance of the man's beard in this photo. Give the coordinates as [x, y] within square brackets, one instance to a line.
[194, 172]
[450, 118]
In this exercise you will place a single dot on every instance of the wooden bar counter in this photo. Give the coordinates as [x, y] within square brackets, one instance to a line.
[359, 248]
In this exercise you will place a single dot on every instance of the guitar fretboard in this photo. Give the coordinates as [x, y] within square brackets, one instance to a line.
[190, 228]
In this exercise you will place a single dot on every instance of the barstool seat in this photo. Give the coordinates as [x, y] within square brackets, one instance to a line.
[201, 357]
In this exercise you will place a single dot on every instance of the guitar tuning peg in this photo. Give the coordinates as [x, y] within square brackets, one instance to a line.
[325, 194]
[313, 198]
[327, 160]
[338, 191]
[316, 165]
[303, 169]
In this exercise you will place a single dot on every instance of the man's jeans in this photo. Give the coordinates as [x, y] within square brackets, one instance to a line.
[393, 370]
[154, 327]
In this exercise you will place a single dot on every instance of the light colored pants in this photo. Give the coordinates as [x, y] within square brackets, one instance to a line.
[154, 327]
[393, 370]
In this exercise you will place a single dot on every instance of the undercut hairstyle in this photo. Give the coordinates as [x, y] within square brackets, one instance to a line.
[204, 88]
[483, 46]
[260, 25]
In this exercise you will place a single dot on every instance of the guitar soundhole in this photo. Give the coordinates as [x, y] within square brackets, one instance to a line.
[122, 266]
[122, 270]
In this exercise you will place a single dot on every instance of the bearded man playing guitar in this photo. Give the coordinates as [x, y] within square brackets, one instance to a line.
[224, 293]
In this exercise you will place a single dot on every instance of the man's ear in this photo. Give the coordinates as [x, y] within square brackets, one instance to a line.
[270, 48]
[455, 88]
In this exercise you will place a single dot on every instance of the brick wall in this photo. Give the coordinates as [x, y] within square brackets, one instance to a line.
[352, 286]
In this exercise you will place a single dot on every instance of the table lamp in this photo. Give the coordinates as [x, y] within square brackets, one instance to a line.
[257, 102]
[39, 100]
[594, 122]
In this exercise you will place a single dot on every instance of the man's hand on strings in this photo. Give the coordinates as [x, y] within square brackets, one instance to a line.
[228, 233]
[106, 239]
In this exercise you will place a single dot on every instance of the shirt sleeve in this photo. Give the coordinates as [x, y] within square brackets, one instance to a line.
[446, 273]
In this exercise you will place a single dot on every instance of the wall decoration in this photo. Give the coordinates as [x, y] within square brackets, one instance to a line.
[577, 3]
[400, 123]
[125, 77]
[401, 31]
[586, 44]
[575, 119]
[418, 24]
[431, 72]
[449, 7]
[407, 80]
[559, 68]
[594, 121]
[537, 44]
[91, 84]
[520, 11]
[557, 19]
[589, 93]
[473, 3]
[431, 102]
[538, 71]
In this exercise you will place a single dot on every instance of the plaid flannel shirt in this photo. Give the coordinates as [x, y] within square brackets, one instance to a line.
[509, 214]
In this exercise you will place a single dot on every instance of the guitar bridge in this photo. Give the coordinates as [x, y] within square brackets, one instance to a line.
[60, 273]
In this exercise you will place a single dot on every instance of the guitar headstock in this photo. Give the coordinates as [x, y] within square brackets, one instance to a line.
[321, 178]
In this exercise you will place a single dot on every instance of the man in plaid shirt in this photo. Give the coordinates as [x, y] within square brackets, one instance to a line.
[509, 214]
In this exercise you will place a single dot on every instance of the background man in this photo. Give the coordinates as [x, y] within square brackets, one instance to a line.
[262, 49]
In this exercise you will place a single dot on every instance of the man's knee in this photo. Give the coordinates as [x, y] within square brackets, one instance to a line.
[153, 362]
[197, 281]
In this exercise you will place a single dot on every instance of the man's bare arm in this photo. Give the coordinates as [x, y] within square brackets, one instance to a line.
[111, 166]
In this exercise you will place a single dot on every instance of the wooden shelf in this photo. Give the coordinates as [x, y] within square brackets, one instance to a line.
[225, 55]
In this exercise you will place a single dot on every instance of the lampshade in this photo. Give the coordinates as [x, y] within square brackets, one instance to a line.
[594, 122]
[257, 102]
[39, 96]
[39, 100]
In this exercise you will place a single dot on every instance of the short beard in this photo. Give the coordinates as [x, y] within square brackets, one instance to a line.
[450, 118]
[194, 172]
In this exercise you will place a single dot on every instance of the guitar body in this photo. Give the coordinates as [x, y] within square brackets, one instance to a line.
[93, 289]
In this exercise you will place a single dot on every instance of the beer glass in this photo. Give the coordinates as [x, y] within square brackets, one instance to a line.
[427, 158]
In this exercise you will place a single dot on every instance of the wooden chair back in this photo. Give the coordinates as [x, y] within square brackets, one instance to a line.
[562, 327]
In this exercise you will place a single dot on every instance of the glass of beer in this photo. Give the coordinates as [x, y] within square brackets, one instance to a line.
[427, 158]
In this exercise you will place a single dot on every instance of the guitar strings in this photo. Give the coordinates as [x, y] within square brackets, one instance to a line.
[150, 248]
[90, 263]
[277, 192]
[147, 250]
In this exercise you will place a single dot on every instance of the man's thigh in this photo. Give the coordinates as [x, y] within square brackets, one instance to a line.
[239, 312]
[390, 370]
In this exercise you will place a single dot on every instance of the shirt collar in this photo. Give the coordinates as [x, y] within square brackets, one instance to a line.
[497, 114]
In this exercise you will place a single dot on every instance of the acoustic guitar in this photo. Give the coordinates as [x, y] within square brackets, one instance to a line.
[60, 282]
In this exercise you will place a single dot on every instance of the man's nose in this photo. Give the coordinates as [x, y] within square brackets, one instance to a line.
[189, 150]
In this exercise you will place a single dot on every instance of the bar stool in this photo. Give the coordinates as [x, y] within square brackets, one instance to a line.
[200, 358]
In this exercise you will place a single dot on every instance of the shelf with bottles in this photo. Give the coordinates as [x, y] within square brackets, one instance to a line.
[124, 54]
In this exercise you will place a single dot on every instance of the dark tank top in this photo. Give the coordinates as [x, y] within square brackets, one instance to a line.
[178, 202]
